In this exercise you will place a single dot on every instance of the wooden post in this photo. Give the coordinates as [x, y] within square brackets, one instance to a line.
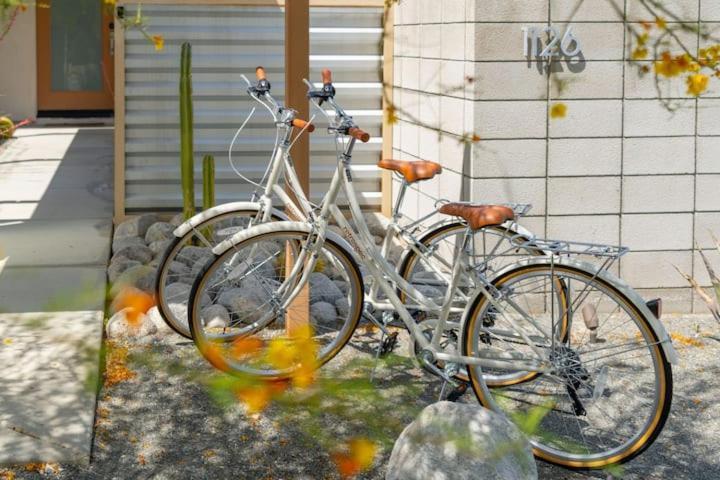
[387, 126]
[119, 165]
[297, 67]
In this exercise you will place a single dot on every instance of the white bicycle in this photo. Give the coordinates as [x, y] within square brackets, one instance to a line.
[427, 243]
[593, 353]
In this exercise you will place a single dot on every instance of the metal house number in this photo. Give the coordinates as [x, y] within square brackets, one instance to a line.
[567, 44]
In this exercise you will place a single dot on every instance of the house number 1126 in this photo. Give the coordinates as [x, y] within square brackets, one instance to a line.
[567, 44]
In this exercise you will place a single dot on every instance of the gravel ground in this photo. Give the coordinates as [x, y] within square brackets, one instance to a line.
[163, 424]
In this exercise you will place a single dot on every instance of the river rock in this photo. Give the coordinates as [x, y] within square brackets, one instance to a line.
[159, 231]
[141, 277]
[215, 316]
[135, 226]
[323, 313]
[322, 289]
[118, 266]
[124, 242]
[125, 324]
[139, 253]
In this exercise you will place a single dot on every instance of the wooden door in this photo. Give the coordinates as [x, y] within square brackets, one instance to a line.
[75, 66]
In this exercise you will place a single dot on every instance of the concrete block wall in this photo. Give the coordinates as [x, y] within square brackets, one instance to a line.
[618, 169]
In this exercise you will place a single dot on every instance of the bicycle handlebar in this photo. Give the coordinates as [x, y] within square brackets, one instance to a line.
[327, 94]
[260, 73]
[300, 123]
[359, 134]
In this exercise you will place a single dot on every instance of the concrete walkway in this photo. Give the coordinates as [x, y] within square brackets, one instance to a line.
[55, 231]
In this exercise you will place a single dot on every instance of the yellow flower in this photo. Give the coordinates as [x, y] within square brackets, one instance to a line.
[7, 341]
[558, 110]
[642, 39]
[391, 113]
[697, 83]
[661, 23]
[159, 42]
[109, 2]
[639, 53]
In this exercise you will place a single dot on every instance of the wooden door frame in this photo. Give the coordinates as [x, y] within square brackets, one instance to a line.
[68, 100]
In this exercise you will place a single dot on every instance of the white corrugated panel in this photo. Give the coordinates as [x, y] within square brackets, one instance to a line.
[226, 42]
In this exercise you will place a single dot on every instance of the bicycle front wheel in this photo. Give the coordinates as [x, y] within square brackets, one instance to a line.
[184, 259]
[608, 390]
[242, 306]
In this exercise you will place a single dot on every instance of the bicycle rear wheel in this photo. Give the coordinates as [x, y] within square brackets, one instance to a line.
[492, 249]
[609, 390]
[251, 312]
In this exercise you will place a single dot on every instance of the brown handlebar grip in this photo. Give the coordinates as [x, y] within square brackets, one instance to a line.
[260, 73]
[299, 123]
[326, 76]
[359, 134]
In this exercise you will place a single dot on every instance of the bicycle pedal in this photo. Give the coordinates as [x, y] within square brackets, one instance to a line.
[388, 343]
[457, 392]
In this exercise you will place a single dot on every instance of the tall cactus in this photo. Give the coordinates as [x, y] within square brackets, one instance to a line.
[186, 132]
[208, 182]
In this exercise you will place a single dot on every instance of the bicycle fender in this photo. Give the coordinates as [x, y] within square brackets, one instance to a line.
[621, 285]
[205, 215]
[285, 226]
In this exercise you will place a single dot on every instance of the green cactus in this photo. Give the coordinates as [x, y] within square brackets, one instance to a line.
[208, 190]
[186, 132]
[208, 182]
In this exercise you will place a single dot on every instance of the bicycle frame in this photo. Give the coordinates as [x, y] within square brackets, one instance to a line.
[387, 278]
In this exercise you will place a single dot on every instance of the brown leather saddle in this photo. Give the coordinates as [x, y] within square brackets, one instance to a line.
[479, 216]
[412, 171]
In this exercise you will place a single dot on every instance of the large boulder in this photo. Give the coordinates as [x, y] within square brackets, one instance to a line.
[322, 289]
[179, 293]
[462, 442]
[134, 226]
[159, 231]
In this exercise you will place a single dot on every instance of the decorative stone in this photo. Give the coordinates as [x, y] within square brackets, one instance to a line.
[124, 242]
[139, 253]
[323, 312]
[118, 266]
[190, 255]
[141, 277]
[159, 231]
[342, 285]
[179, 293]
[215, 316]
[163, 330]
[124, 325]
[377, 223]
[465, 441]
[134, 226]
[177, 220]
[343, 307]
[159, 247]
[322, 289]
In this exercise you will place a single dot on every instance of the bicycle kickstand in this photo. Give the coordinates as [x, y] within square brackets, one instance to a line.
[388, 339]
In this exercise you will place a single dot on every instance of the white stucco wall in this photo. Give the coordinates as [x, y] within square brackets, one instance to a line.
[18, 69]
[618, 169]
